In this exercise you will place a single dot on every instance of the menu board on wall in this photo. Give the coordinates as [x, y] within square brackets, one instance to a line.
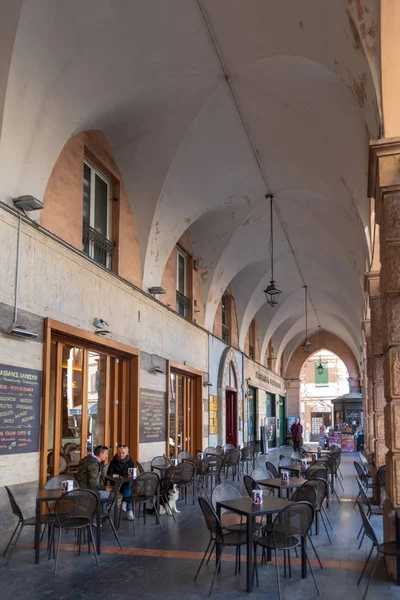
[152, 416]
[20, 394]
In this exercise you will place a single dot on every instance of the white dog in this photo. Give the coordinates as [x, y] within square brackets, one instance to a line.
[173, 497]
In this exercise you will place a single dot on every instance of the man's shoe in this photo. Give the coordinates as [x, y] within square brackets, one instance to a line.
[123, 507]
[129, 515]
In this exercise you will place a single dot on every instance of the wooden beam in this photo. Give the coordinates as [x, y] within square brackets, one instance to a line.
[134, 406]
[58, 412]
[84, 421]
[44, 433]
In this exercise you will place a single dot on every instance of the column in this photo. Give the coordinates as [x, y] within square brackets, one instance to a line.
[369, 434]
[293, 397]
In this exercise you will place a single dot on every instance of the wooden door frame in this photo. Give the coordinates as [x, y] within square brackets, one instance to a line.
[234, 395]
[85, 338]
[197, 417]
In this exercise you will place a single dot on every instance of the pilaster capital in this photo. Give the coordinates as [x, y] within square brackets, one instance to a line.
[384, 170]
[372, 284]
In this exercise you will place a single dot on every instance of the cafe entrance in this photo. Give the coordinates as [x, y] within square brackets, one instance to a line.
[90, 397]
[185, 415]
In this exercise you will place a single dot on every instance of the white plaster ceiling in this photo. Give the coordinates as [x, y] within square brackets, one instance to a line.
[147, 74]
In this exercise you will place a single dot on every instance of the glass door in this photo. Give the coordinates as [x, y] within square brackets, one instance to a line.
[180, 414]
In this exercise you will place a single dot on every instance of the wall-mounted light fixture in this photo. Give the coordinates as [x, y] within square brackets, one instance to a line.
[101, 326]
[153, 367]
[157, 290]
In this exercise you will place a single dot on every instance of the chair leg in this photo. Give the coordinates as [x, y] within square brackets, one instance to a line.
[290, 565]
[156, 511]
[211, 551]
[114, 531]
[371, 576]
[312, 572]
[94, 545]
[58, 550]
[315, 552]
[12, 537]
[277, 575]
[361, 541]
[255, 569]
[365, 565]
[202, 560]
[215, 572]
[326, 515]
[326, 529]
[340, 483]
[15, 542]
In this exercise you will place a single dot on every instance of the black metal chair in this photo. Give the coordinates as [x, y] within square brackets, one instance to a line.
[75, 510]
[183, 476]
[22, 522]
[140, 468]
[247, 456]
[201, 466]
[227, 447]
[271, 468]
[232, 458]
[385, 549]
[210, 450]
[259, 473]
[218, 536]
[308, 493]
[250, 484]
[290, 526]
[372, 511]
[321, 488]
[144, 489]
[214, 469]
[184, 454]
[381, 479]
[160, 464]
[108, 505]
[55, 482]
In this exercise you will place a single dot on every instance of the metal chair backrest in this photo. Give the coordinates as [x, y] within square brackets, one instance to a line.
[369, 532]
[215, 464]
[140, 468]
[364, 461]
[259, 473]
[184, 473]
[293, 520]
[224, 491]
[360, 472]
[316, 472]
[219, 449]
[232, 457]
[363, 495]
[145, 485]
[271, 468]
[226, 447]
[55, 482]
[78, 504]
[250, 484]
[201, 466]
[306, 493]
[321, 489]
[297, 455]
[184, 454]
[160, 461]
[13, 503]
[213, 523]
[247, 453]
[210, 450]
[108, 505]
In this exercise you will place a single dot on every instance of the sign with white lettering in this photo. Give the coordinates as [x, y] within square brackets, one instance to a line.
[152, 416]
[20, 394]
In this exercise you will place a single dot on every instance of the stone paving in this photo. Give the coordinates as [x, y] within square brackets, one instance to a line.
[160, 564]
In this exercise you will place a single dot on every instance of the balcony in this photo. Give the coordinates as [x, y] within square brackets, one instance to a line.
[226, 337]
[96, 246]
[182, 305]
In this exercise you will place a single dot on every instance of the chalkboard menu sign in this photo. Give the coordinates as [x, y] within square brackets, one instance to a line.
[20, 393]
[152, 416]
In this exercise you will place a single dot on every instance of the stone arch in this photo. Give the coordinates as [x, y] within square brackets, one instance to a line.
[228, 357]
[292, 371]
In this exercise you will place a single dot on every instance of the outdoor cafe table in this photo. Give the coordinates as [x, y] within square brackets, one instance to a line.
[278, 484]
[245, 508]
[53, 496]
[296, 469]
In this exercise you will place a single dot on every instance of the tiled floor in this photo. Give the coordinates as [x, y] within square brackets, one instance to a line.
[160, 564]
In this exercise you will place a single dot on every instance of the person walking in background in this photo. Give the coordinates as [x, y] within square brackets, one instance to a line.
[297, 434]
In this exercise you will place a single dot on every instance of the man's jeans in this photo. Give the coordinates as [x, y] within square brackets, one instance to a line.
[126, 491]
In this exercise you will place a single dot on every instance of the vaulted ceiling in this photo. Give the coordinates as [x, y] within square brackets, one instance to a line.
[209, 105]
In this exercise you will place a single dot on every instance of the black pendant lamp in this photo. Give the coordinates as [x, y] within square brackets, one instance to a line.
[306, 345]
[320, 366]
[271, 292]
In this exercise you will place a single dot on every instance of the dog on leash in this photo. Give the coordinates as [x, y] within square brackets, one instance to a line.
[172, 497]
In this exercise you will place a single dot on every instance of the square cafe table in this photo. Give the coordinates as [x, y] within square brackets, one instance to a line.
[278, 484]
[53, 496]
[245, 508]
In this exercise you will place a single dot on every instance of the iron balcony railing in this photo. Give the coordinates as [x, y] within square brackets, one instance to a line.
[182, 305]
[225, 333]
[97, 246]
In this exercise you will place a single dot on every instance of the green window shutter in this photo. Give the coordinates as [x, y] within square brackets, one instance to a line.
[322, 379]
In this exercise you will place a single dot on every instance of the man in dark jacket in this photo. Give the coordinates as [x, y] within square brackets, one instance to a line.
[119, 466]
[89, 471]
[297, 434]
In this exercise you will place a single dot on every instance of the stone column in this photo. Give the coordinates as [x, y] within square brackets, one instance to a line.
[292, 397]
[369, 433]
[377, 441]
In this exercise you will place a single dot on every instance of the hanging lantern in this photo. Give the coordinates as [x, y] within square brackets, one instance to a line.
[272, 292]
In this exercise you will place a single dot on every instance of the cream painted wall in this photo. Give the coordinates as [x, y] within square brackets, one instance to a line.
[58, 283]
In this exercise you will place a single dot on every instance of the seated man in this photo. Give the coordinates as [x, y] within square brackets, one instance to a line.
[119, 466]
[89, 471]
